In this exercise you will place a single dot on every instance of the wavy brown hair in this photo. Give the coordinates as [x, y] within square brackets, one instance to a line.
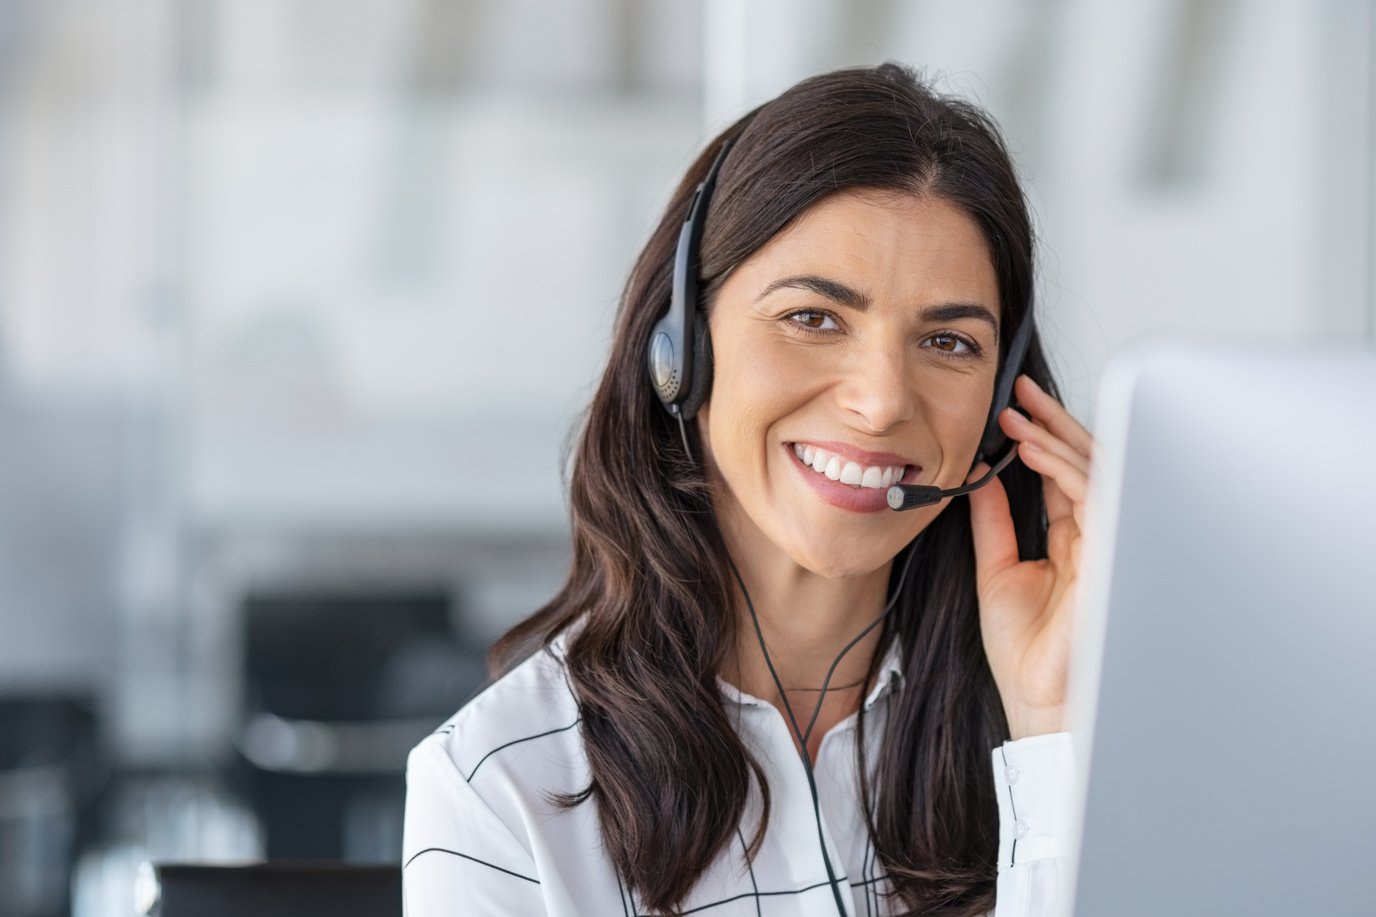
[650, 582]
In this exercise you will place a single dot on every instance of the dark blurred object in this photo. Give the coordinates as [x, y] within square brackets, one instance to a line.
[50, 774]
[339, 687]
[155, 815]
[270, 890]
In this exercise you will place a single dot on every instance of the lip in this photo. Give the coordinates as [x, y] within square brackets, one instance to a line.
[844, 496]
[851, 453]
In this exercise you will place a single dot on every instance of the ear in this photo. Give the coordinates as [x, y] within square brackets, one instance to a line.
[702, 368]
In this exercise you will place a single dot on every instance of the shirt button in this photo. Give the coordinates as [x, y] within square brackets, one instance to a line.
[1020, 829]
[1011, 774]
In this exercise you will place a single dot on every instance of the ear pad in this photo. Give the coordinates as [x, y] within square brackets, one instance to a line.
[994, 438]
[702, 368]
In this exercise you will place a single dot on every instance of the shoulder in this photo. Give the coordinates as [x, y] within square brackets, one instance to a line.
[514, 746]
[479, 794]
[484, 825]
[533, 703]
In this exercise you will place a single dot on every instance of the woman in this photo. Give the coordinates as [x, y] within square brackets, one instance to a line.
[761, 691]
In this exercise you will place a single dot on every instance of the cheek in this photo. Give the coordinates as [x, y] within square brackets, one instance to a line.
[750, 393]
[958, 418]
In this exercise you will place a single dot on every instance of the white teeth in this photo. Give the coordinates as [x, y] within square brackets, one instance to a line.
[874, 477]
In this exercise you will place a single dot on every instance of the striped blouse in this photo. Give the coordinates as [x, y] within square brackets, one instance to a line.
[482, 836]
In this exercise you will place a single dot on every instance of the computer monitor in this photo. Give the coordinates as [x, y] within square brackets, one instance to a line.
[1223, 692]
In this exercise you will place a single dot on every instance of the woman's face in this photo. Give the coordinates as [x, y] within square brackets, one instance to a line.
[861, 341]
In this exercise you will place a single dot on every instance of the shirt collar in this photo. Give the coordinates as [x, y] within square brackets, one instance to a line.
[889, 677]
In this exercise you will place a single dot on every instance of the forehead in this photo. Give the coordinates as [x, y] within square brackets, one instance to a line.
[899, 249]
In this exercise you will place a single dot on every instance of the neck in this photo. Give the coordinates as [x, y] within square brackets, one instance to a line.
[806, 621]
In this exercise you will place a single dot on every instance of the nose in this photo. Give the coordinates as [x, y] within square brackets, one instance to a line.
[878, 387]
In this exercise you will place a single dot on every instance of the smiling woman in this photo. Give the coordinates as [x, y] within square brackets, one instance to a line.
[737, 574]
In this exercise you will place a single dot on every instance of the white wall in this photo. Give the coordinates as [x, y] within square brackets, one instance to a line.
[293, 271]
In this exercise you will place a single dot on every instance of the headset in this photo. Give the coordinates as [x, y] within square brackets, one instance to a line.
[679, 360]
[680, 368]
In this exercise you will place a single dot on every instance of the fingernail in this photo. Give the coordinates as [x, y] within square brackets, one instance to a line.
[1015, 416]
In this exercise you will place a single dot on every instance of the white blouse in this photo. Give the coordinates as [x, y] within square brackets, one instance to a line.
[483, 837]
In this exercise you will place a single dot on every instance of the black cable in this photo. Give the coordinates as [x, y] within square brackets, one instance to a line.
[793, 720]
[802, 736]
[683, 430]
[807, 764]
[816, 711]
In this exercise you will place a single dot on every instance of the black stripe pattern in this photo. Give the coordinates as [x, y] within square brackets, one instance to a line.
[480, 796]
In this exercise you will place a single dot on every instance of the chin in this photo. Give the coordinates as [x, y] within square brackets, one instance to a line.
[839, 564]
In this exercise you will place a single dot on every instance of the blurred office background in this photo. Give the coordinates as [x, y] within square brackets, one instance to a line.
[300, 301]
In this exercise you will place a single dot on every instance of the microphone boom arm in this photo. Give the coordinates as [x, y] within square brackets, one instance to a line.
[910, 496]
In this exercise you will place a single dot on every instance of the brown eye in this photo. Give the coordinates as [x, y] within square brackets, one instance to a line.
[952, 344]
[810, 320]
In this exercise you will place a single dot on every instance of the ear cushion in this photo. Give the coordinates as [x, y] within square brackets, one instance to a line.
[993, 439]
[702, 369]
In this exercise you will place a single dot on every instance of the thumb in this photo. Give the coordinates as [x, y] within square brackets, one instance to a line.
[991, 522]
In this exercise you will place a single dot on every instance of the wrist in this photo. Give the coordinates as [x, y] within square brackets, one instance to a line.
[1024, 724]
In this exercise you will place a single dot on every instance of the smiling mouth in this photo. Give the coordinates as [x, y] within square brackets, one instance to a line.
[836, 468]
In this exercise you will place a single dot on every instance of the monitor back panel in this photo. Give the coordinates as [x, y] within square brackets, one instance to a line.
[1233, 748]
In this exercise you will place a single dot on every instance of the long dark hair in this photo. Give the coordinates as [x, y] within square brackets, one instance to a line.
[649, 579]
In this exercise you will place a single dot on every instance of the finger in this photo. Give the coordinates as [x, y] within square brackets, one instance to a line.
[1053, 414]
[1063, 528]
[1072, 482]
[1063, 548]
[991, 522]
[1058, 507]
[1020, 428]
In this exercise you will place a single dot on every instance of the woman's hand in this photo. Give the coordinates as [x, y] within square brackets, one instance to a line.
[1026, 607]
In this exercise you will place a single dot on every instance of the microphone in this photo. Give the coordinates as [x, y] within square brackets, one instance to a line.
[910, 496]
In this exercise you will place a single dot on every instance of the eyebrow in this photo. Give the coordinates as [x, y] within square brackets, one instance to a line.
[844, 295]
